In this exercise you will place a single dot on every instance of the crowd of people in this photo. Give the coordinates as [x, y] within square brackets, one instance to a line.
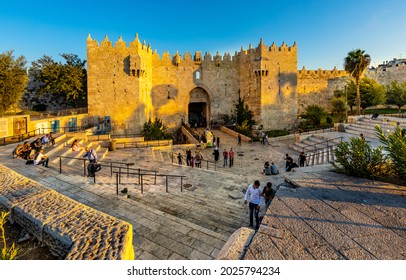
[33, 152]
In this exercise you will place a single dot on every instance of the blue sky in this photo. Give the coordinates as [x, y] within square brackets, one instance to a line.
[324, 30]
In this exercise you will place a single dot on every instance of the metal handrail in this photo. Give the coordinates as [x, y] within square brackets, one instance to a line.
[141, 179]
[18, 138]
[202, 160]
[139, 172]
[305, 150]
[125, 135]
[143, 144]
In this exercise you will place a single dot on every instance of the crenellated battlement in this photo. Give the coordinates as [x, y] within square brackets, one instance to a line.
[177, 59]
[263, 49]
[320, 73]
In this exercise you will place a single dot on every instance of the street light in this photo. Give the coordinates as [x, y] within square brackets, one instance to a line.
[346, 104]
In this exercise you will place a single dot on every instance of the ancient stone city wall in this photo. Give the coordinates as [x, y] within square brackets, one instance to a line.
[132, 84]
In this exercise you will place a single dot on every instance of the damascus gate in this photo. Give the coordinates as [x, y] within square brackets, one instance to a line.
[131, 83]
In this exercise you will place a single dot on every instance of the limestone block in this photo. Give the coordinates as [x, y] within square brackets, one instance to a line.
[236, 244]
[88, 225]
[115, 243]
[37, 211]
[16, 188]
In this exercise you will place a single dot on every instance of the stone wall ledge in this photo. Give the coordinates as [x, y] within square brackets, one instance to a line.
[235, 134]
[71, 230]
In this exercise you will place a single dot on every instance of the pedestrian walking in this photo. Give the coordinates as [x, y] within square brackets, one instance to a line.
[253, 194]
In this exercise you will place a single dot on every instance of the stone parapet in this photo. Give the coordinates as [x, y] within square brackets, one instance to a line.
[70, 229]
[235, 134]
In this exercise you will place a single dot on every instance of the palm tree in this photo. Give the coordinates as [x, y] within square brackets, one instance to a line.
[356, 64]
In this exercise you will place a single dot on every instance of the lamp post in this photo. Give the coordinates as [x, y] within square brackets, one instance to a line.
[346, 104]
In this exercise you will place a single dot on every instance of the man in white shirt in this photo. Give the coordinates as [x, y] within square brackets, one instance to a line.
[40, 158]
[254, 193]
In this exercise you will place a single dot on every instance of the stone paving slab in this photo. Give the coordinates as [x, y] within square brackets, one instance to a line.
[325, 215]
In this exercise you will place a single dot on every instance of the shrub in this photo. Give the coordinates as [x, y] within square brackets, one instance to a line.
[6, 253]
[155, 130]
[244, 128]
[357, 158]
[277, 132]
[395, 145]
[313, 114]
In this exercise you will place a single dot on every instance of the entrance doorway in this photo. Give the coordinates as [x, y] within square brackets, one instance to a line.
[20, 126]
[199, 108]
[197, 114]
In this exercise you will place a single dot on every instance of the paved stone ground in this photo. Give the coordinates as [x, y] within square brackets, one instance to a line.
[193, 224]
[196, 223]
[325, 215]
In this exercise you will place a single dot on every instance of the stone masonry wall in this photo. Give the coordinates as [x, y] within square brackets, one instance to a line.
[385, 75]
[132, 84]
[70, 229]
[316, 87]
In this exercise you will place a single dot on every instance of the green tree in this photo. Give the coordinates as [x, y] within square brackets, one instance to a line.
[339, 107]
[372, 93]
[13, 80]
[313, 114]
[155, 130]
[356, 64]
[243, 113]
[67, 79]
[396, 94]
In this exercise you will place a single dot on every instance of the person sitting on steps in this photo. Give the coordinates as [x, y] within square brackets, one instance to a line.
[40, 158]
[267, 169]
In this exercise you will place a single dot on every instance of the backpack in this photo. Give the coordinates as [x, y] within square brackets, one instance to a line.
[97, 167]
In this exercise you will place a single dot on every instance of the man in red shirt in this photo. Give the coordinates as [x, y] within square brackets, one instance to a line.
[231, 155]
[225, 156]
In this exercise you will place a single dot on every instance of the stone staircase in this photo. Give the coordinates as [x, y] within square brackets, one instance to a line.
[366, 126]
[193, 224]
[319, 149]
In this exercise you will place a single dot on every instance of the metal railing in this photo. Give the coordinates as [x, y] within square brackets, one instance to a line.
[19, 138]
[60, 112]
[316, 130]
[207, 163]
[313, 151]
[144, 144]
[141, 177]
[125, 135]
[313, 148]
[64, 129]
[123, 168]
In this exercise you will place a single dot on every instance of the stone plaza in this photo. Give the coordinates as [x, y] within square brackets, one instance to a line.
[317, 214]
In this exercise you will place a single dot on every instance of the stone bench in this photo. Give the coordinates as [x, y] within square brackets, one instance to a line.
[71, 230]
